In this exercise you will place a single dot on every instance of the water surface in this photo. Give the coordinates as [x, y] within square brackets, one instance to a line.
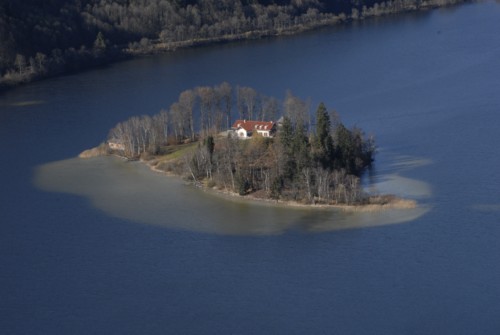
[134, 192]
[425, 84]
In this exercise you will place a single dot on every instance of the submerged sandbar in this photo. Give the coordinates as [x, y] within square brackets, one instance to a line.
[131, 191]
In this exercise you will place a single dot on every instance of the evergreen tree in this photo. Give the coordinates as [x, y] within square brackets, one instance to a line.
[324, 142]
[276, 188]
[209, 142]
[345, 150]
[286, 137]
[300, 147]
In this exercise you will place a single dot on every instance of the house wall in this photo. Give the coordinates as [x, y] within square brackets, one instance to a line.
[116, 146]
[242, 133]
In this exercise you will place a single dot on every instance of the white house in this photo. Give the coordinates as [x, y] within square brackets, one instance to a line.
[246, 128]
[116, 144]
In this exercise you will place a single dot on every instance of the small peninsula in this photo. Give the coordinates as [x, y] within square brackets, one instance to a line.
[300, 158]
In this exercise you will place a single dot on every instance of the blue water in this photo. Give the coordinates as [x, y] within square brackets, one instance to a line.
[425, 84]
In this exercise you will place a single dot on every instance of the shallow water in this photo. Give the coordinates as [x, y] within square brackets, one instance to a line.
[132, 191]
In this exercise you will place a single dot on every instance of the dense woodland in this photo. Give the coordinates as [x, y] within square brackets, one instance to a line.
[313, 157]
[43, 38]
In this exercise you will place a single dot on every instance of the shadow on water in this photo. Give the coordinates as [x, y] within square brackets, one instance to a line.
[130, 190]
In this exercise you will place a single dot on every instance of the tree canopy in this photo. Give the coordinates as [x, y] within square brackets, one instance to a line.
[39, 38]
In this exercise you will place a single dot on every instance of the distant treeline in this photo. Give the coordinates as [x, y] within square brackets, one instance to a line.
[312, 158]
[43, 38]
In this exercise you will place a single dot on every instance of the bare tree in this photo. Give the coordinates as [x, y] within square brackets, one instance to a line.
[41, 59]
[225, 92]
[207, 104]
[270, 109]
[161, 123]
[247, 99]
[187, 101]
[177, 121]
[20, 63]
[296, 109]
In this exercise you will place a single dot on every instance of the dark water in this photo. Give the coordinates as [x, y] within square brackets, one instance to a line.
[426, 84]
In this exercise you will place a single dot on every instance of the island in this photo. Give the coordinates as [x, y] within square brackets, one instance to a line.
[274, 151]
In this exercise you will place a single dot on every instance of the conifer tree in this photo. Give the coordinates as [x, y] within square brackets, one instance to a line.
[324, 141]
[300, 147]
[286, 141]
[210, 143]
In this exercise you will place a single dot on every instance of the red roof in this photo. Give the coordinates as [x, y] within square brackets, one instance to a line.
[253, 125]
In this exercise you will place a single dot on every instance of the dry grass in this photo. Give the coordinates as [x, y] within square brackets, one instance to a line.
[100, 150]
[169, 161]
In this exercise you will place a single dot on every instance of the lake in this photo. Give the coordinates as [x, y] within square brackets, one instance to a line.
[102, 246]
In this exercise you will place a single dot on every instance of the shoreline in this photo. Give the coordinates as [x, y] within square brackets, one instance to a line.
[125, 52]
[376, 203]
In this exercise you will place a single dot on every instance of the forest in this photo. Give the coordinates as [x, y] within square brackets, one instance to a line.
[312, 157]
[50, 37]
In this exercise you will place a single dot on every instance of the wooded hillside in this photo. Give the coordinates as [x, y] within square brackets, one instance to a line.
[41, 38]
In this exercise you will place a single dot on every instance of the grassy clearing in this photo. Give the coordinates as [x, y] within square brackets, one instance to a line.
[169, 160]
[173, 152]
